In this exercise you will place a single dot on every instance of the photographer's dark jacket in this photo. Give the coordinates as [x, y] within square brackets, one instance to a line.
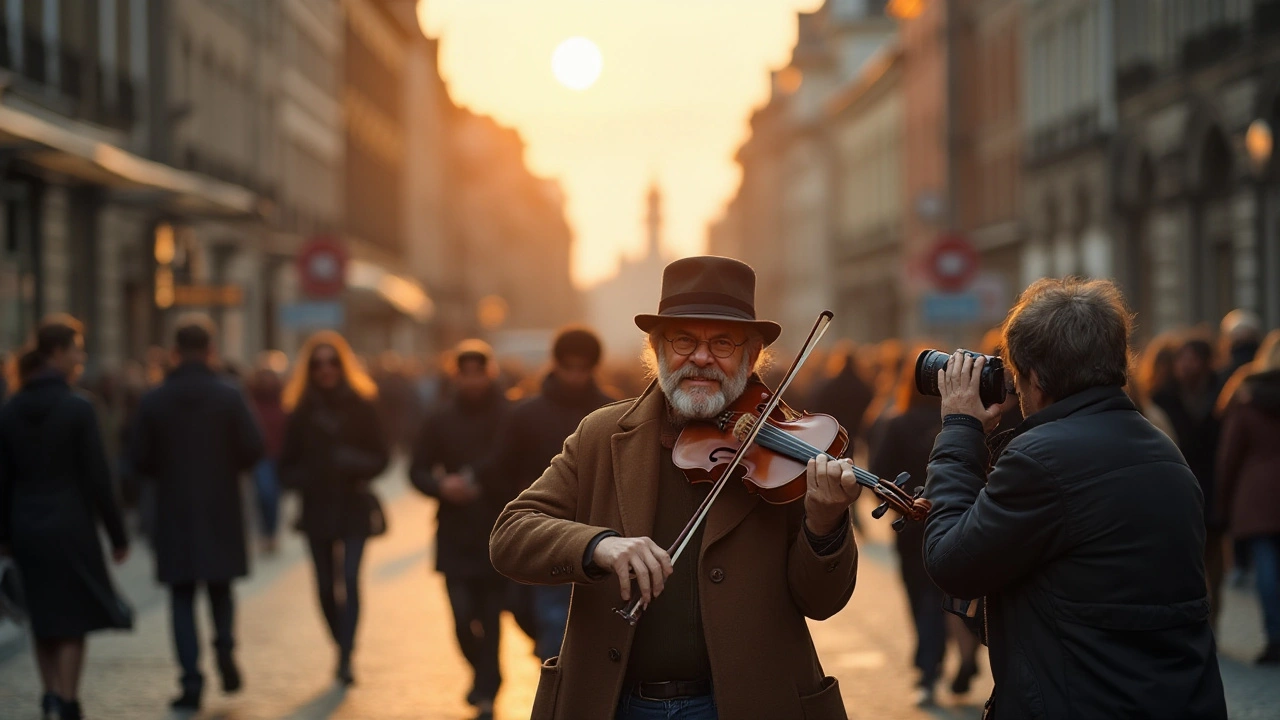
[1087, 541]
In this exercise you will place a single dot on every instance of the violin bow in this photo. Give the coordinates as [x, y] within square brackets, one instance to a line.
[631, 613]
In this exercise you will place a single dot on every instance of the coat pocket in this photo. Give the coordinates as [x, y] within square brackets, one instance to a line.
[544, 701]
[826, 704]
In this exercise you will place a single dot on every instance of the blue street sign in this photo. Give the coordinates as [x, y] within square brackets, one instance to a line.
[950, 308]
[313, 315]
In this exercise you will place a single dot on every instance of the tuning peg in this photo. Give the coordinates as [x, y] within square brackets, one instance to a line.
[918, 492]
[900, 523]
[880, 510]
[902, 479]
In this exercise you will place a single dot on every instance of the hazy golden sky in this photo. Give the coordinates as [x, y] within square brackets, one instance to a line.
[680, 80]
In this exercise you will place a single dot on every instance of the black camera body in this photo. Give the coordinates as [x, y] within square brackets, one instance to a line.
[991, 387]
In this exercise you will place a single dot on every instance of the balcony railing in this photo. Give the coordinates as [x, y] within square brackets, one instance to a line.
[83, 89]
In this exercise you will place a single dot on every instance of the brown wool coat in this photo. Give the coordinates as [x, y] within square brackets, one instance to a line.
[758, 577]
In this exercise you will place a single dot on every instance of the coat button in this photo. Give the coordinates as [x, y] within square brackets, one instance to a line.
[614, 655]
[717, 575]
[831, 566]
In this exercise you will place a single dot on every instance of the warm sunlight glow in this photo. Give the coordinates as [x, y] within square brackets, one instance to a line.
[683, 79]
[576, 63]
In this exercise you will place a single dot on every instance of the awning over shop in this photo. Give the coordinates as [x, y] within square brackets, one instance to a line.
[402, 293]
[62, 149]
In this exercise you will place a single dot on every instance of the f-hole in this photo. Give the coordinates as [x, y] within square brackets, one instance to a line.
[726, 452]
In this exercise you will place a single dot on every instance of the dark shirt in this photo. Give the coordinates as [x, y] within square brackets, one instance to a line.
[669, 643]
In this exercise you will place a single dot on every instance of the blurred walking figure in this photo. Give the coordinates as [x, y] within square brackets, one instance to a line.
[1249, 480]
[334, 447]
[535, 433]
[904, 446]
[1189, 401]
[1154, 373]
[457, 439]
[55, 487]
[842, 393]
[195, 435]
[265, 393]
[1241, 333]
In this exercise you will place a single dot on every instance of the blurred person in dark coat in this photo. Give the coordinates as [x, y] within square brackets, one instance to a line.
[842, 393]
[55, 488]
[1248, 477]
[1189, 400]
[334, 447]
[458, 438]
[534, 434]
[1086, 536]
[903, 445]
[1154, 372]
[265, 393]
[194, 436]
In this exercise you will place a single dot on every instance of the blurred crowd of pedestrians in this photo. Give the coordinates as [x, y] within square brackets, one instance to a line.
[158, 449]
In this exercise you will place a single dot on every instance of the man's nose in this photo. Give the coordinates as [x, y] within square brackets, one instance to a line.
[702, 356]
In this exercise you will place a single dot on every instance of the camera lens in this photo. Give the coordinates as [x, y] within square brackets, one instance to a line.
[991, 387]
[927, 366]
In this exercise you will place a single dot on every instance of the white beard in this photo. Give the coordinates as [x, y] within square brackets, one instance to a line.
[701, 403]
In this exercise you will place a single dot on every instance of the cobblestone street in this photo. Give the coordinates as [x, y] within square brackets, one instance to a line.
[408, 665]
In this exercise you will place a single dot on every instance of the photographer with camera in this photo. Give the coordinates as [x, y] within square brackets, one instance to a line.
[1086, 538]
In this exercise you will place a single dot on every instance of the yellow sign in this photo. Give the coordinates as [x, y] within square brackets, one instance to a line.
[217, 295]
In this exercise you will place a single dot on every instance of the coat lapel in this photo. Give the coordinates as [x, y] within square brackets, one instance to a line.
[636, 452]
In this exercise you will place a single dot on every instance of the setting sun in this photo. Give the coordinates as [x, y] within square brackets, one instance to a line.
[576, 63]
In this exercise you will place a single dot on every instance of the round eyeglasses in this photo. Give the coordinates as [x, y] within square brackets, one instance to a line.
[721, 347]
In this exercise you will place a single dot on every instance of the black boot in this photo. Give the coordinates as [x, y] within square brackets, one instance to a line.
[189, 700]
[964, 678]
[344, 674]
[1270, 656]
[231, 680]
[71, 710]
[50, 707]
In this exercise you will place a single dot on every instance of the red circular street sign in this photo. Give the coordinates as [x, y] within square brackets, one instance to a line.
[322, 267]
[952, 263]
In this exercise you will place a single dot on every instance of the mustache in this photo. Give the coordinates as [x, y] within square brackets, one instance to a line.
[693, 372]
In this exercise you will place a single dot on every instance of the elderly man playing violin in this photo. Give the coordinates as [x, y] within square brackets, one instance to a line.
[723, 634]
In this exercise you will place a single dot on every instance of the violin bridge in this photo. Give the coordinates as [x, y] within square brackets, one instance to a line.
[743, 427]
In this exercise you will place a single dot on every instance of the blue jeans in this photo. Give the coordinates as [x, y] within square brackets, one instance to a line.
[692, 708]
[551, 614]
[267, 484]
[1266, 563]
[341, 616]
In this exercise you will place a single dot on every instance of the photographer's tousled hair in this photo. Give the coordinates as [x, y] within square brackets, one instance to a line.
[56, 332]
[1072, 333]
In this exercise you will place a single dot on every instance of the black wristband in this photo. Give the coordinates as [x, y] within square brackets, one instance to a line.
[961, 419]
[588, 563]
[827, 544]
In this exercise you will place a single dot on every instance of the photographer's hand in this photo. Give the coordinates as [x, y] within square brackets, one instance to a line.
[959, 383]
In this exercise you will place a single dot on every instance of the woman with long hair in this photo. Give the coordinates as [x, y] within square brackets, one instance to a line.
[1249, 484]
[333, 449]
[55, 487]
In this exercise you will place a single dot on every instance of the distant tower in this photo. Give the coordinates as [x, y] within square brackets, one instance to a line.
[655, 221]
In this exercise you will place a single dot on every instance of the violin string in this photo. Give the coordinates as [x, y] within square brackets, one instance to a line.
[801, 451]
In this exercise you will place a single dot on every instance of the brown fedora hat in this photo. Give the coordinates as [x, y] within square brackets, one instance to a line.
[710, 288]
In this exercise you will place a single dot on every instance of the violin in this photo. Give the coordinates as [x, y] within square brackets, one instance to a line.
[779, 442]
[774, 467]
